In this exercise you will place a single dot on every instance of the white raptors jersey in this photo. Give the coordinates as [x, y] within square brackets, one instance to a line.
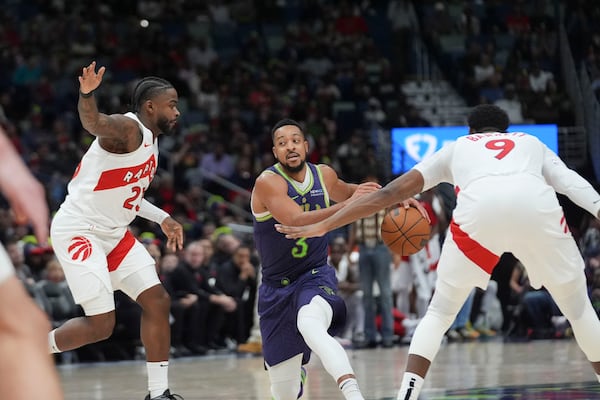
[486, 155]
[107, 188]
[506, 186]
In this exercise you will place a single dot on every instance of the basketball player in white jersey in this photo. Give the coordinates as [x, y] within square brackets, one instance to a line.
[90, 232]
[22, 322]
[506, 202]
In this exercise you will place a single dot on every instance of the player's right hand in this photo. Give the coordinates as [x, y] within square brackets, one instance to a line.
[412, 202]
[89, 80]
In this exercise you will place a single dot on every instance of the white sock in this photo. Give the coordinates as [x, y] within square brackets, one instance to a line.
[411, 387]
[350, 390]
[52, 347]
[158, 377]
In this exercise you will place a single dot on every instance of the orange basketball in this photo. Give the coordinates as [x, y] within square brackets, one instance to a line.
[404, 230]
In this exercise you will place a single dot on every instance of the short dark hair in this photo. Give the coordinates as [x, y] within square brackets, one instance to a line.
[146, 89]
[285, 122]
[487, 118]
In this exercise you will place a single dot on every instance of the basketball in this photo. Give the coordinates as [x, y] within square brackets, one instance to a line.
[404, 230]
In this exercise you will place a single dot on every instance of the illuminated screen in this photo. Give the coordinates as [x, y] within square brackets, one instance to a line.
[411, 145]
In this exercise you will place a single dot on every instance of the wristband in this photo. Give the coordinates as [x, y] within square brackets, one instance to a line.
[152, 213]
[86, 95]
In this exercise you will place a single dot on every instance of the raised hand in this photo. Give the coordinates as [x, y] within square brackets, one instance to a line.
[89, 80]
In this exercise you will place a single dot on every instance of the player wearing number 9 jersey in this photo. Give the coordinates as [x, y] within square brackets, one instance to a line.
[506, 185]
[90, 232]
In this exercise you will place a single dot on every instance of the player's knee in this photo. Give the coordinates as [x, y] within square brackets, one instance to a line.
[570, 298]
[303, 322]
[155, 299]
[314, 317]
[101, 326]
[163, 301]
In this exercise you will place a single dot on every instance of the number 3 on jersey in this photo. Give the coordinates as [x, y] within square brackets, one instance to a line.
[300, 249]
[504, 146]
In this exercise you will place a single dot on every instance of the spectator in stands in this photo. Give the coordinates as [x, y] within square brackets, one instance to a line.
[401, 279]
[550, 106]
[199, 53]
[492, 90]
[461, 328]
[237, 278]
[350, 156]
[404, 24]
[511, 104]
[219, 163]
[197, 284]
[225, 245]
[589, 239]
[469, 22]
[374, 259]
[348, 288]
[484, 70]
[539, 78]
[517, 22]
[350, 22]
[541, 312]
[439, 22]
[15, 250]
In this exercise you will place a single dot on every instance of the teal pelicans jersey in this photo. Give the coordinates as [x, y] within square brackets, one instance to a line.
[285, 259]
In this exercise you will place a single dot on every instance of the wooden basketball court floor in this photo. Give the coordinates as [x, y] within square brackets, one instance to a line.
[548, 369]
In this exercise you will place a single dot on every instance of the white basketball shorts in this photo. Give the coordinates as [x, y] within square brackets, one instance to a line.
[98, 261]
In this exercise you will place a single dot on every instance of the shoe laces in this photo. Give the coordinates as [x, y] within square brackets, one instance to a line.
[174, 397]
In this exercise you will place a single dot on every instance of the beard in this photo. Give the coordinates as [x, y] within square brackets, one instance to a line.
[291, 169]
[163, 125]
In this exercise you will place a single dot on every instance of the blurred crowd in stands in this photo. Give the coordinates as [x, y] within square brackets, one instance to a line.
[504, 53]
[239, 66]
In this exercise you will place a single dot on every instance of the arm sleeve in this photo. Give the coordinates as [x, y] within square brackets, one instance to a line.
[150, 212]
[568, 182]
[436, 168]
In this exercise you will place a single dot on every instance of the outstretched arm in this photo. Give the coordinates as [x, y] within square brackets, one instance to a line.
[270, 194]
[398, 190]
[171, 228]
[24, 193]
[568, 182]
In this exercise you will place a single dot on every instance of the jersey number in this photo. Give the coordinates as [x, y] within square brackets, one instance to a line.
[301, 248]
[130, 202]
[503, 145]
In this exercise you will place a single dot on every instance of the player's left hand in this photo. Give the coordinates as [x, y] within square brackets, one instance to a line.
[412, 202]
[364, 188]
[174, 232]
[295, 232]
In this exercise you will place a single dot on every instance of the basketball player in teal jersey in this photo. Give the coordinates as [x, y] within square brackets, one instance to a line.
[298, 306]
[297, 302]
